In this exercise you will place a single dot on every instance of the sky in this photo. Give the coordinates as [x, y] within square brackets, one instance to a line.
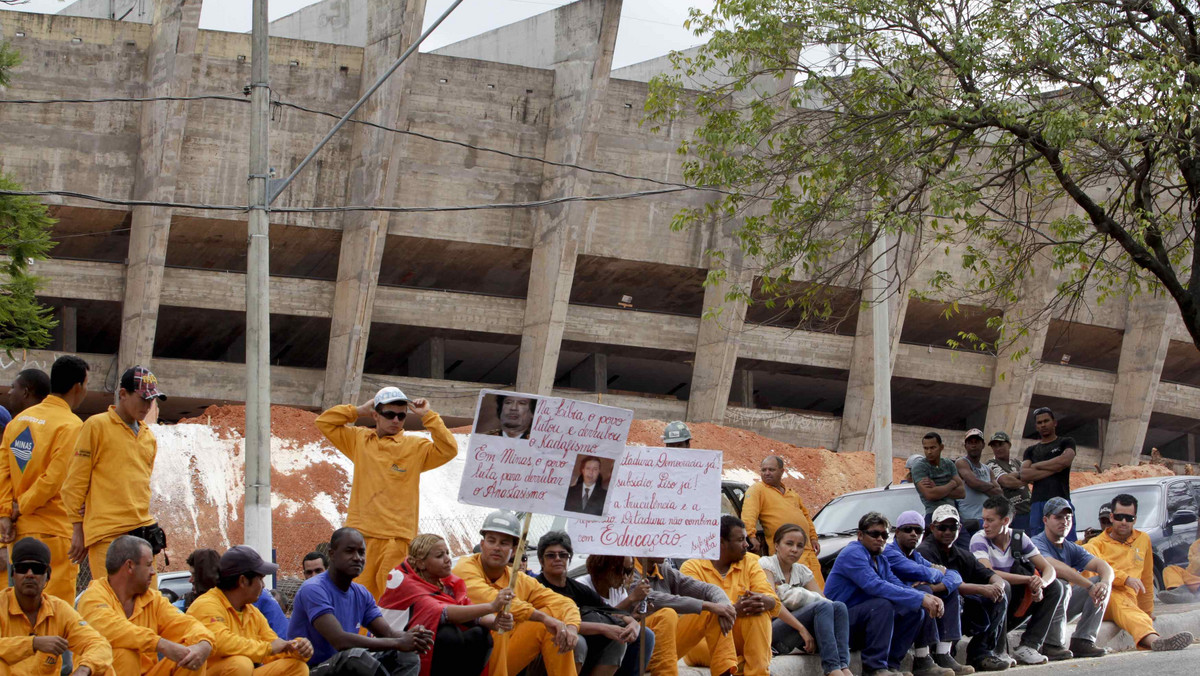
[649, 28]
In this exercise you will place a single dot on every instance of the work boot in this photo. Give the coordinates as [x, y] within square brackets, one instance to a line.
[1181, 594]
[925, 666]
[990, 663]
[1177, 642]
[1084, 648]
[1056, 653]
[945, 661]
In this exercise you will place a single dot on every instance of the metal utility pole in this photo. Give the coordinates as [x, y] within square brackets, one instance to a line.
[882, 342]
[258, 306]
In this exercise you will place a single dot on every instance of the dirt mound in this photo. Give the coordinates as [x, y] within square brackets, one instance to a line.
[294, 424]
[1081, 479]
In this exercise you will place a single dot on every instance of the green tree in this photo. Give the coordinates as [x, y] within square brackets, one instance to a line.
[24, 238]
[1021, 138]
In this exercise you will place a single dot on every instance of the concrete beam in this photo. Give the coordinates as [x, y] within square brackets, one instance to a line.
[1143, 353]
[392, 25]
[584, 38]
[170, 67]
[1072, 382]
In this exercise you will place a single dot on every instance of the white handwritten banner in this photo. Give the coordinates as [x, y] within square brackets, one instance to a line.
[663, 502]
[547, 455]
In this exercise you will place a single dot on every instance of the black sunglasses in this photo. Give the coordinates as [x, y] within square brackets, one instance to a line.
[877, 534]
[392, 415]
[23, 567]
[916, 530]
[1125, 517]
[557, 555]
[943, 527]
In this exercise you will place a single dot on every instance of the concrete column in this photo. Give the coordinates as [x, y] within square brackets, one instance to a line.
[743, 387]
[392, 25]
[428, 360]
[591, 375]
[717, 340]
[1016, 363]
[68, 326]
[857, 430]
[585, 35]
[1143, 352]
[170, 62]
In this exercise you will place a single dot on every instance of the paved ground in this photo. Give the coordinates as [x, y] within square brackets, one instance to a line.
[1123, 664]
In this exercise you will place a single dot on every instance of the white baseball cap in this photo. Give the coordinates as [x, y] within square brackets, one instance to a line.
[944, 512]
[390, 395]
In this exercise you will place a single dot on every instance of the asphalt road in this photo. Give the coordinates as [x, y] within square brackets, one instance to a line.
[1180, 663]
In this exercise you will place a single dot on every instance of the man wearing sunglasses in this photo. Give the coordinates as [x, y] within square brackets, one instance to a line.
[885, 613]
[937, 633]
[981, 592]
[37, 645]
[1131, 602]
[385, 492]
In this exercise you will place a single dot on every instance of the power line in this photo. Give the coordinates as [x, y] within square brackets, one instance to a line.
[337, 209]
[134, 99]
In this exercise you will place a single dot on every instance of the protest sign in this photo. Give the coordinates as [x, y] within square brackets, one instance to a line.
[547, 455]
[663, 502]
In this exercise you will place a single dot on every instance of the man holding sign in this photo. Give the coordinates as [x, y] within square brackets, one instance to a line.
[385, 493]
[546, 622]
[740, 577]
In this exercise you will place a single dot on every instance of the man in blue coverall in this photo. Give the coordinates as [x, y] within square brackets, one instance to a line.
[937, 634]
[885, 613]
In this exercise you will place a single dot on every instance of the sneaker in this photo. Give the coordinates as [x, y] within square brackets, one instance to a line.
[1180, 594]
[1008, 659]
[990, 663]
[945, 661]
[1056, 653]
[880, 672]
[925, 666]
[1026, 655]
[1085, 648]
[1177, 642]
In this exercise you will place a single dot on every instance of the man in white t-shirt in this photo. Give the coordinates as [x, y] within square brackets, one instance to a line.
[1032, 596]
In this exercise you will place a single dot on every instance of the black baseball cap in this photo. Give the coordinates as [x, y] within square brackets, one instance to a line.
[242, 559]
[30, 549]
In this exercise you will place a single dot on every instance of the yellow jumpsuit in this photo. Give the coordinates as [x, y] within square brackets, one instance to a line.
[55, 618]
[751, 634]
[512, 651]
[134, 639]
[767, 505]
[1133, 558]
[109, 481]
[48, 433]
[1178, 576]
[243, 639]
[385, 491]
[676, 633]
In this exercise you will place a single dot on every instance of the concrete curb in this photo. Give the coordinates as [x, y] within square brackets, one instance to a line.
[1170, 620]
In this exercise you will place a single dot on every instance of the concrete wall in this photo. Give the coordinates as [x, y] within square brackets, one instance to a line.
[462, 94]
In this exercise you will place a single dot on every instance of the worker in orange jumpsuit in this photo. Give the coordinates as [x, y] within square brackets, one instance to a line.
[36, 647]
[546, 623]
[37, 450]
[742, 579]
[385, 493]
[773, 504]
[683, 612]
[1131, 602]
[1183, 584]
[107, 490]
[242, 636]
[138, 621]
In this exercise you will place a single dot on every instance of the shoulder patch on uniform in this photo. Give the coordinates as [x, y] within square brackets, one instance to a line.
[83, 453]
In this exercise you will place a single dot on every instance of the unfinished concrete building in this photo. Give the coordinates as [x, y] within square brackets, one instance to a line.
[593, 300]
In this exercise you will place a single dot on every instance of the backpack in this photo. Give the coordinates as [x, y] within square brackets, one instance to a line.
[1021, 565]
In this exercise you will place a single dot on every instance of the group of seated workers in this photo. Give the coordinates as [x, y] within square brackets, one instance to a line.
[921, 592]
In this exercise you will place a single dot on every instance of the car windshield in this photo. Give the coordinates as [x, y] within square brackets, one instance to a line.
[841, 515]
[1088, 500]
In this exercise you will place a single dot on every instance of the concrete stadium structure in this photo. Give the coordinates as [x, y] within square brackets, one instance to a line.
[443, 303]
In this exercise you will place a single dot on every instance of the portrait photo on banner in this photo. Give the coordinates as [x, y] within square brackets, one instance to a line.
[545, 455]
